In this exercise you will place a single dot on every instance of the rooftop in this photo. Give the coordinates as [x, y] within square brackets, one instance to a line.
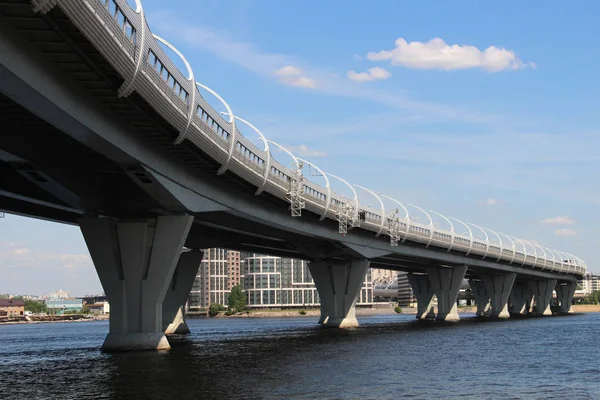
[11, 303]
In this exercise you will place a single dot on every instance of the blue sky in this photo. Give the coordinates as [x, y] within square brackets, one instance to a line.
[486, 111]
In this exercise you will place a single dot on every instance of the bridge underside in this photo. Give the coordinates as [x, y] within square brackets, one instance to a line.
[71, 149]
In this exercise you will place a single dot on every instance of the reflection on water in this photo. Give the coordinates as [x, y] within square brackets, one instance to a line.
[391, 356]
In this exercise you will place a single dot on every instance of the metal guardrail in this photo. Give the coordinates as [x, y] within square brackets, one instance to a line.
[123, 37]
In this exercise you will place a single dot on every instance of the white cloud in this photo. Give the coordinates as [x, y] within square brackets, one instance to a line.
[370, 75]
[293, 76]
[565, 232]
[564, 220]
[248, 56]
[357, 57]
[288, 70]
[20, 252]
[303, 151]
[436, 54]
[489, 202]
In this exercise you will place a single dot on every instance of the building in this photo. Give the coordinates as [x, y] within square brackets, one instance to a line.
[383, 275]
[62, 305]
[406, 296]
[219, 271]
[590, 283]
[233, 272]
[61, 294]
[12, 307]
[283, 282]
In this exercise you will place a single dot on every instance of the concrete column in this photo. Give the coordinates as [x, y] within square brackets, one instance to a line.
[446, 283]
[135, 261]
[498, 288]
[423, 291]
[173, 317]
[542, 292]
[319, 271]
[520, 299]
[564, 294]
[482, 298]
[339, 285]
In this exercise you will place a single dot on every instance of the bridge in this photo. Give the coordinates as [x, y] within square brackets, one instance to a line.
[101, 129]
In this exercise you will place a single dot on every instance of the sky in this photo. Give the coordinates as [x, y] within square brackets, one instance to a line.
[484, 111]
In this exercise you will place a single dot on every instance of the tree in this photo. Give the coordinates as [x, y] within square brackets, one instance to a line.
[215, 308]
[35, 306]
[237, 300]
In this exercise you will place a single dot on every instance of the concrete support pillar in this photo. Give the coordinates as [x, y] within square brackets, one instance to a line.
[423, 291]
[564, 294]
[339, 285]
[173, 317]
[135, 261]
[498, 288]
[446, 283]
[520, 299]
[542, 292]
[482, 298]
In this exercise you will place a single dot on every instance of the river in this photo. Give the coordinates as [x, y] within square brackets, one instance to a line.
[388, 357]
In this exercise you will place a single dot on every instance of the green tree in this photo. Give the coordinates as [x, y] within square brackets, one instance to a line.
[215, 308]
[237, 300]
[35, 306]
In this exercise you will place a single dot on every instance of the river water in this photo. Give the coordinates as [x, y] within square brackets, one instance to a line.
[388, 357]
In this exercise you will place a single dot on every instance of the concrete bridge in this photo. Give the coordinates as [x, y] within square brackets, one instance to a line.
[101, 129]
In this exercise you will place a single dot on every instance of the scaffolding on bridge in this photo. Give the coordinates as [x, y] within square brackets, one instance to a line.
[394, 228]
[297, 203]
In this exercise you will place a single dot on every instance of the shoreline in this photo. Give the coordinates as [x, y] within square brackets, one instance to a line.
[360, 312]
[577, 308]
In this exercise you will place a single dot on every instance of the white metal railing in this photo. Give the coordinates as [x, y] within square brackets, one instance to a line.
[122, 36]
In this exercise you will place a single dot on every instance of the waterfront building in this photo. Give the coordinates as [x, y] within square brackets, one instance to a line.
[62, 305]
[219, 271]
[588, 284]
[275, 282]
[12, 307]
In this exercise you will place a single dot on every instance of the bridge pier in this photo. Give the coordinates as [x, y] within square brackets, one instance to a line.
[135, 260]
[446, 283]
[482, 298]
[498, 288]
[520, 299]
[542, 292]
[173, 316]
[564, 294]
[338, 285]
[423, 291]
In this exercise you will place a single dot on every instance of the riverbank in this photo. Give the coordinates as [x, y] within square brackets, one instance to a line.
[578, 308]
[45, 319]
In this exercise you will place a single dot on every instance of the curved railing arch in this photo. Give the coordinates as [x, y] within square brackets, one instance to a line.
[128, 55]
[356, 204]
[514, 248]
[471, 238]
[383, 218]
[453, 235]
[127, 86]
[266, 150]
[406, 217]
[232, 135]
[499, 239]
[327, 186]
[431, 227]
